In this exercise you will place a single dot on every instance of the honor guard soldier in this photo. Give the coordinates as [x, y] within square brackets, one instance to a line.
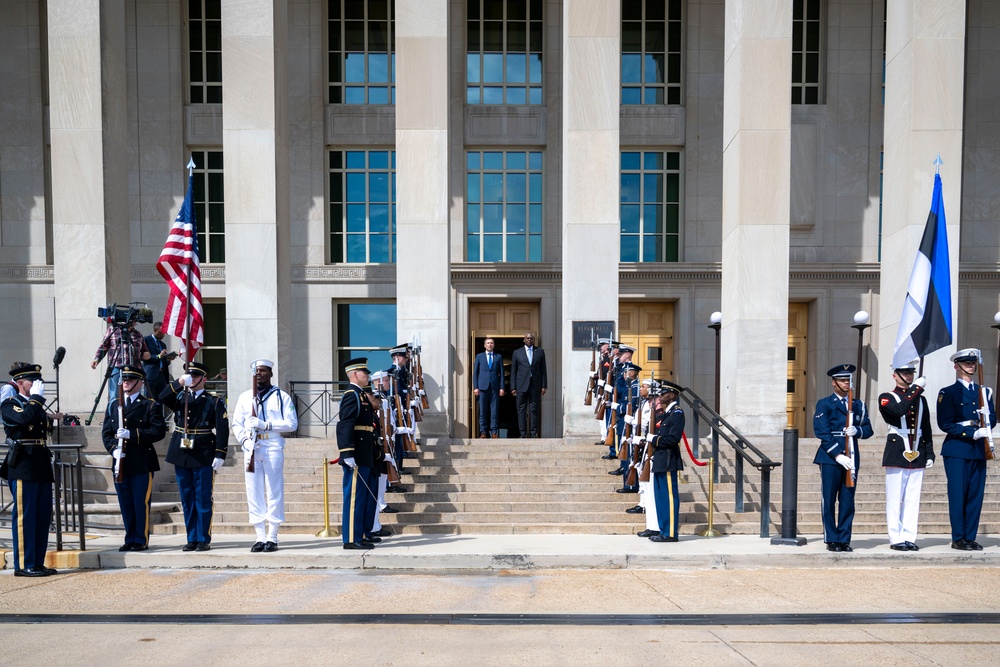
[667, 462]
[908, 451]
[131, 444]
[835, 467]
[358, 458]
[628, 401]
[377, 395]
[28, 470]
[603, 364]
[399, 374]
[649, 391]
[962, 408]
[260, 417]
[618, 355]
[197, 449]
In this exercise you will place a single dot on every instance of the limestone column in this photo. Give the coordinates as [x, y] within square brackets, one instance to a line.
[590, 219]
[422, 266]
[755, 214]
[924, 96]
[255, 159]
[90, 226]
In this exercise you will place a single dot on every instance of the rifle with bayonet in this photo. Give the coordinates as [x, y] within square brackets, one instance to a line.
[602, 399]
[848, 440]
[408, 444]
[385, 430]
[424, 403]
[253, 412]
[120, 461]
[636, 458]
[984, 413]
[623, 448]
[609, 440]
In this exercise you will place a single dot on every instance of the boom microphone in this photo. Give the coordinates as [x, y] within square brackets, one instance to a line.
[60, 354]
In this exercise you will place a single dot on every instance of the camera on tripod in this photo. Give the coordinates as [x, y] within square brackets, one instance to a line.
[123, 316]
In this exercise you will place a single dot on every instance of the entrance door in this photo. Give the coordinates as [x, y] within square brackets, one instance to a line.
[506, 324]
[798, 327]
[649, 328]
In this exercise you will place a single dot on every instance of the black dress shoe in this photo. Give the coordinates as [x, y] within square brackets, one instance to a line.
[395, 489]
[833, 546]
[140, 547]
[257, 547]
[609, 456]
[190, 546]
[976, 546]
[270, 547]
[601, 442]
[899, 547]
[662, 538]
[648, 533]
[638, 509]
[616, 471]
[368, 544]
[389, 510]
[374, 539]
[962, 545]
[627, 490]
[203, 546]
[845, 547]
[382, 532]
[47, 570]
[355, 545]
[33, 572]
[910, 546]
[125, 547]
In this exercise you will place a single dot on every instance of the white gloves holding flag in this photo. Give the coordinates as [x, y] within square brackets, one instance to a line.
[847, 463]
[123, 434]
[217, 463]
[920, 382]
[185, 380]
[851, 431]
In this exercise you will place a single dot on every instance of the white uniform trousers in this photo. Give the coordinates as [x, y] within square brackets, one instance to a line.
[646, 501]
[383, 482]
[902, 502]
[266, 488]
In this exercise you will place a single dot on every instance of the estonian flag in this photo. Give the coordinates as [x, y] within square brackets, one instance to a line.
[925, 325]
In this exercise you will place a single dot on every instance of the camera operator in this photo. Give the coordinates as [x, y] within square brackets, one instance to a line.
[124, 346]
[157, 367]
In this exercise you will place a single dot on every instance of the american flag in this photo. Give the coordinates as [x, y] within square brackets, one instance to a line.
[178, 264]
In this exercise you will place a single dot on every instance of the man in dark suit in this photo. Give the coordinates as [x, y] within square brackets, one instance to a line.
[528, 382]
[487, 384]
[157, 367]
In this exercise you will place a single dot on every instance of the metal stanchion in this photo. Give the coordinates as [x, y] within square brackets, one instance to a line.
[326, 532]
[710, 531]
[789, 492]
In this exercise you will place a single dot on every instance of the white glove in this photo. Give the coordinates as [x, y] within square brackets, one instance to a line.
[607, 388]
[636, 439]
[601, 383]
[594, 374]
[614, 406]
[123, 434]
[929, 464]
[920, 382]
[650, 436]
[349, 462]
[186, 380]
[847, 463]
[422, 392]
[404, 430]
[981, 433]
[851, 431]
[253, 422]
[116, 453]
[217, 463]
[984, 411]
[38, 388]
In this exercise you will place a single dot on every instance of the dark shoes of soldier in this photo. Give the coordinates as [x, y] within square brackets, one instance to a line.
[609, 455]
[910, 546]
[662, 538]
[833, 546]
[648, 533]
[395, 489]
[899, 547]
[48, 570]
[389, 510]
[638, 509]
[31, 572]
[382, 532]
[125, 547]
[627, 489]
[270, 547]
[963, 545]
[845, 547]
[355, 545]
[976, 546]
[202, 546]
[368, 544]
[190, 546]
[616, 471]
[374, 539]
[600, 442]
[257, 547]
[140, 547]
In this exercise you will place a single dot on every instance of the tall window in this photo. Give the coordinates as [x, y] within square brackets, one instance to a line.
[651, 51]
[504, 59]
[365, 330]
[205, 51]
[362, 57]
[504, 206]
[650, 206]
[209, 207]
[363, 206]
[213, 353]
[806, 50]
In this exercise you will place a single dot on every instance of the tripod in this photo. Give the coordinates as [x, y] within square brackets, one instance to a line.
[104, 383]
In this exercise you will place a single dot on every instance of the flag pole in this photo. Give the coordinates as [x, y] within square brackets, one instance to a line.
[187, 314]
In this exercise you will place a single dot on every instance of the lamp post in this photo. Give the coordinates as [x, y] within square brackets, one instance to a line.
[860, 323]
[716, 325]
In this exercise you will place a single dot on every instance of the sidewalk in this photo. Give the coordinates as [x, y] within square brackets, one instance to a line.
[521, 552]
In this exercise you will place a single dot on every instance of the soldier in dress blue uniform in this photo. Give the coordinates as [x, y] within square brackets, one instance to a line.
[964, 448]
[359, 458]
[143, 426]
[28, 470]
[197, 451]
[628, 394]
[400, 374]
[831, 427]
[667, 461]
[621, 355]
[909, 450]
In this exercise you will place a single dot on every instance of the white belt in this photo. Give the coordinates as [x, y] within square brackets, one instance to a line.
[969, 422]
[903, 433]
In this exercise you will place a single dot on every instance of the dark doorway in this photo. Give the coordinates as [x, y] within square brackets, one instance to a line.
[507, 411]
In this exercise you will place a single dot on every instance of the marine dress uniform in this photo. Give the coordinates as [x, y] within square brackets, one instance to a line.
[359, 457]
[28, 471]
[829, 424]
[908, 451]
[666, 463]
[964, 455]
[197, 452]
[145, 425]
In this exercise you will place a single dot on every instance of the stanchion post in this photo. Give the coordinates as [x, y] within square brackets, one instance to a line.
[326, 532]
[711, 531]
[789, 492]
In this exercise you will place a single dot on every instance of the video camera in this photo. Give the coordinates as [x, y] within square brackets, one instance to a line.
[122, 316]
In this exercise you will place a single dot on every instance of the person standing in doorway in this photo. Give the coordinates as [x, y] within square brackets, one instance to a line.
[528, 382]
[488, 386]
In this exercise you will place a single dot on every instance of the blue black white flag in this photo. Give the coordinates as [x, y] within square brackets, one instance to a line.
[925, 325]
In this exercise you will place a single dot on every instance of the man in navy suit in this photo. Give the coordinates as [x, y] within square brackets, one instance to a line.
[831, 427]
[528, 382]
[964, 448]
[487, 384]
[157, 367]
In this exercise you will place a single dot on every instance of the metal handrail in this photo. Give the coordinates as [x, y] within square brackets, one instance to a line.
[317, 406]
[744, 450]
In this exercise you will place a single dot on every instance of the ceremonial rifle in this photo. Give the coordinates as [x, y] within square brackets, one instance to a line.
[647, 458]
[602, 399]
[383, 422]
[623, 449]
[408, 444]
[253, 412]
[424, 403]
[984, 419]
[588, 398]
[120, 461]
[609, 440]
[848, 444]
[635, 459]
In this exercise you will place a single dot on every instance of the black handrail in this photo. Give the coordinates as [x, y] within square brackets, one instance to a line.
[744, 449]
[316, 405]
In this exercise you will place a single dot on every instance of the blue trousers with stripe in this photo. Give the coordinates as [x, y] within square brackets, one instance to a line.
[195, 485]
[966, 486]
[358, 515]
[31, 514]
[134, 496]
[838, 504]
[667, 497]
